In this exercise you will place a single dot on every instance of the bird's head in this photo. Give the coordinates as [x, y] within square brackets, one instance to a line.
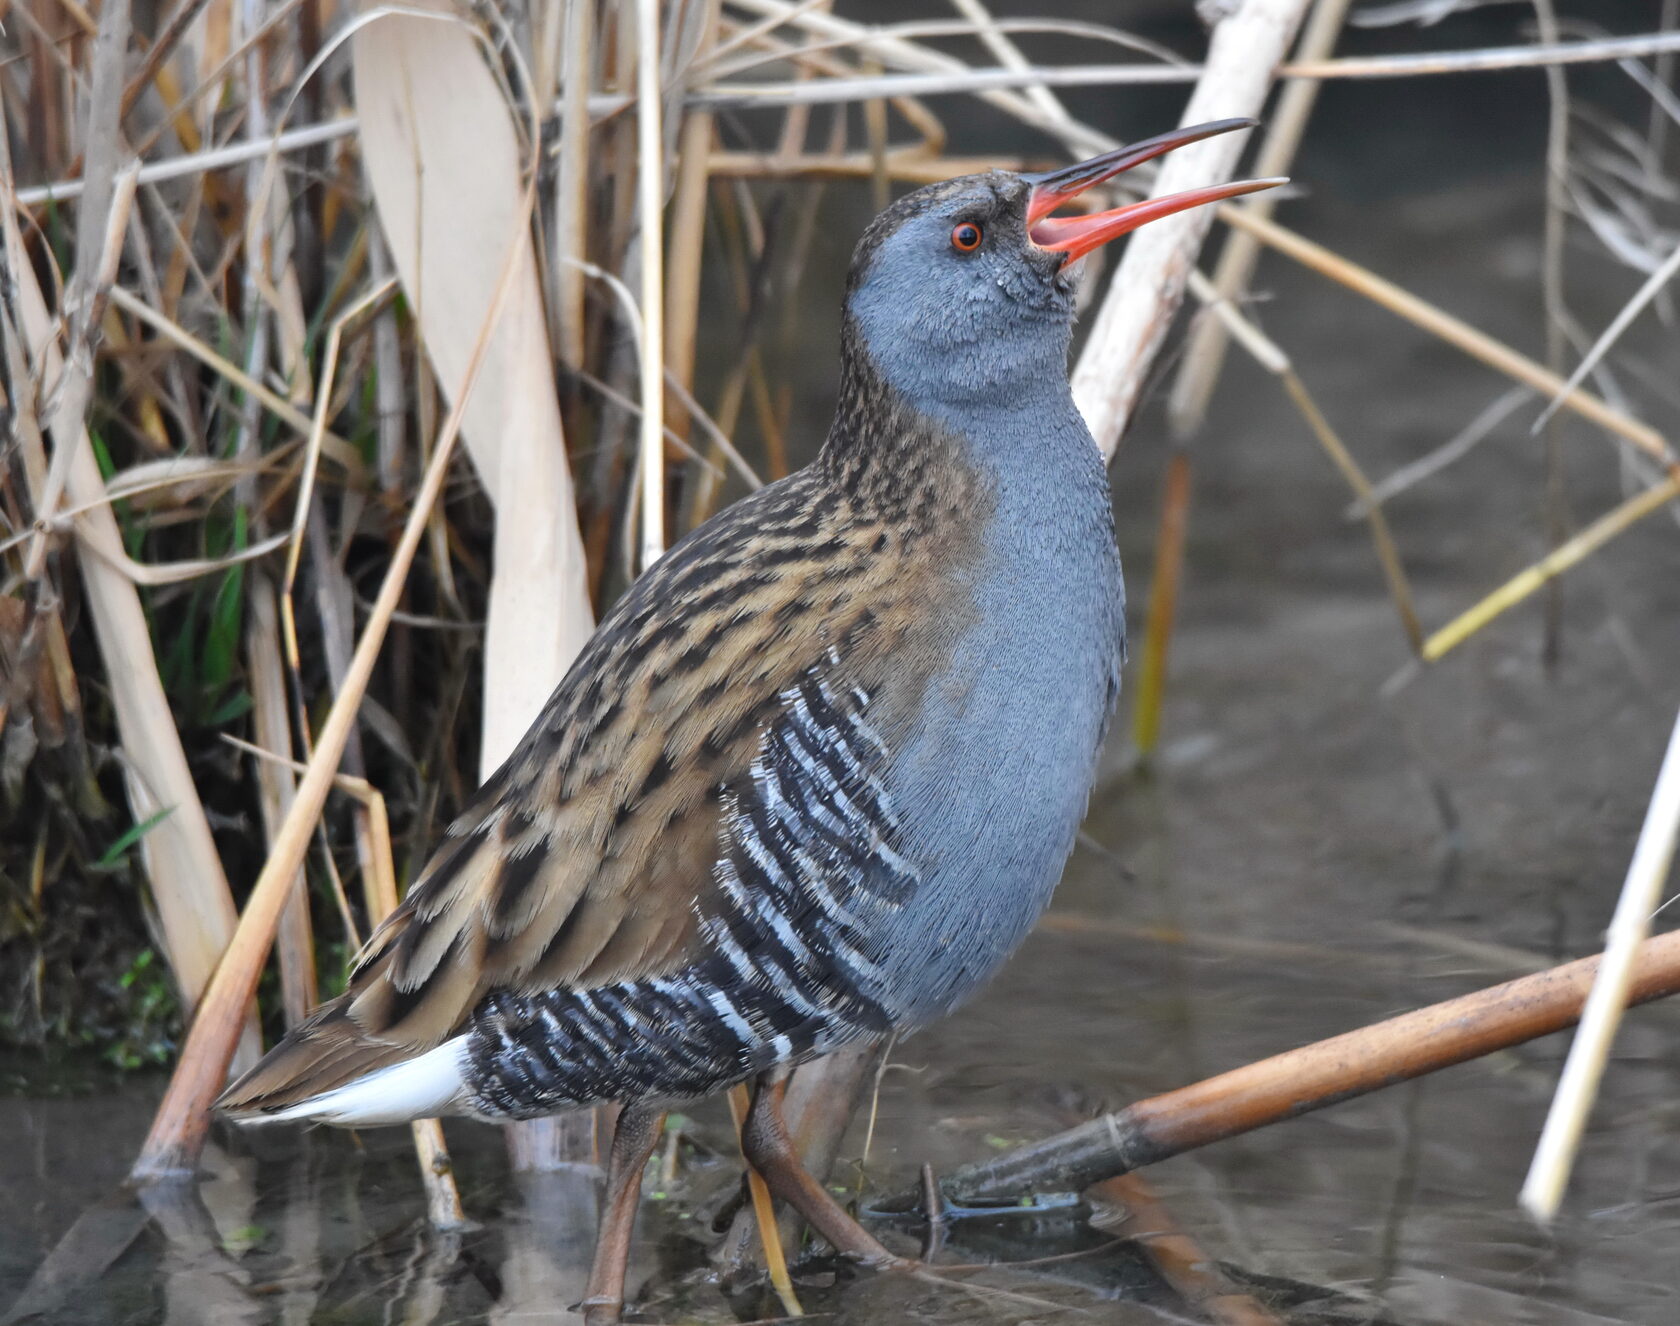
[962, 293]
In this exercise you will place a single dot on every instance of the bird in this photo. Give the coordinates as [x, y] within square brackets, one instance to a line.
[816, 773]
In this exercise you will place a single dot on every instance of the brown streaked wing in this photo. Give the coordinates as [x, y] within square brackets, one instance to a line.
[583, 859]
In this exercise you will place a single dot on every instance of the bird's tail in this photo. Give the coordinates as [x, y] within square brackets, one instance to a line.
[328, 1070]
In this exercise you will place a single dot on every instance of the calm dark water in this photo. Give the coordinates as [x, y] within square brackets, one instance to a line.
[1331, 850]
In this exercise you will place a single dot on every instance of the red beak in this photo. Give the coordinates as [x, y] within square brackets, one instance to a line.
[1075, 236]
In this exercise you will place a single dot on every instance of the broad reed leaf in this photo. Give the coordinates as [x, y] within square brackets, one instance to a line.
[448, 227]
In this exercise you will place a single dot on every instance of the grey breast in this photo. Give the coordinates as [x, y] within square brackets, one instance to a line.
[996, 773]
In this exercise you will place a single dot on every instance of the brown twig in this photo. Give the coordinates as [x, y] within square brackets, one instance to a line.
[1310, 1078]
[684, 258]
[296, 941]
[571, 184]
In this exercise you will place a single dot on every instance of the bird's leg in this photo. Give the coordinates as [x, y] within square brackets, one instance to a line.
[770, 1150]
[638, 1132]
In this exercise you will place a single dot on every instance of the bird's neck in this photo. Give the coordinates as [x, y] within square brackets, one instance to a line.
[896, 433]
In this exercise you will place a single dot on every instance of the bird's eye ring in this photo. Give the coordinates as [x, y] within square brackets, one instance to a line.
[966, 237]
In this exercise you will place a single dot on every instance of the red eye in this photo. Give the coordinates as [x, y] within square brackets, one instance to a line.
[966, 237]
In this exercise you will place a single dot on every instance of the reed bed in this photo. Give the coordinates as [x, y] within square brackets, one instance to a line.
[355, 359]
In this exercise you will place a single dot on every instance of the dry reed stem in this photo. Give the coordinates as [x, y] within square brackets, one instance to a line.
[437, 1175]
[177, 1134]
[1163, 602]
[204, 162]
[390, 395]
[910, 164]
[1382, 540]
[105, 544]
[295, 942]
[160, 49]
[687, 234]
[194, 903]
[764, 1213]
[1664, 273]
[303, 500]
[1243, 53]
[715, 434]
[1433, 462]
[1299, 1081]
[1205, 353]
[571, 183]
[1264, 950]
[1554, 564]
[1556, 188]
[991, 82]
[67, 393]
[336, 630]
[184, 479]
[650, 198]
[1008, 54]
[1478, 344]
[335, 447]
[1653, 857]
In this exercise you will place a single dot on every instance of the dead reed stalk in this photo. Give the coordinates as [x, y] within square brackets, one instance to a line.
[1300, 1081]
[1244, 52]
[177, 1135]
[1653, 857]
[189, 887]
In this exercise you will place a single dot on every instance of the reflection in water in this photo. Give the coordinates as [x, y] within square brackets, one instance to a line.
[300, 1249]
[550, 1236]
[202, 1280]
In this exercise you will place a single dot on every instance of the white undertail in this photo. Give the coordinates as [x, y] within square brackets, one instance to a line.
[428, 1085]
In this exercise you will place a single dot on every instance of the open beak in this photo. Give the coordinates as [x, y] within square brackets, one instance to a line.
[1075, 236]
